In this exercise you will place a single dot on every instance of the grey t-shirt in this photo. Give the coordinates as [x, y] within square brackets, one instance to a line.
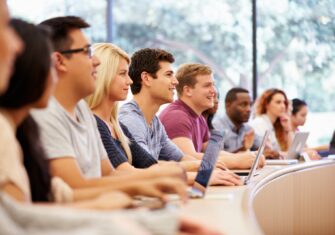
[62, 136]
[152, 138]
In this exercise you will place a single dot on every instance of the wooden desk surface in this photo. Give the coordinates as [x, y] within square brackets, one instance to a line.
[230, 209]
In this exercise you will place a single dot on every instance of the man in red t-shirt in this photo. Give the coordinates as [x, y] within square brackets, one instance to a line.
[183, 120]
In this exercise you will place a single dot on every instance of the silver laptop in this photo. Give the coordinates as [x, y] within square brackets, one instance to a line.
[253, 168]
[207, 165]
[298, 144]
[294, 151]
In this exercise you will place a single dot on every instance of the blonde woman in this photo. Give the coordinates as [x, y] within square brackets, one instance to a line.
[112, 86]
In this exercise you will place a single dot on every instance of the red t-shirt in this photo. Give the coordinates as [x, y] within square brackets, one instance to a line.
[180, 120]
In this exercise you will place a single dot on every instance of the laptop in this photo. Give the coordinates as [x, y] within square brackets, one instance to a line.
[207, 165]
[298, 144]
[294, 152]
[253, 168]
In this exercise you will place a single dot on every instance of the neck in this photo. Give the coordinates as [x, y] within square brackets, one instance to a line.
[66, 97]
[190, 104]
[17, 115]
[148, 106]
[104, 110]
[272, 117]
[236, 123]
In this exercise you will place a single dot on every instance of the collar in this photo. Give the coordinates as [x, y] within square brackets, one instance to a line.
[187, 108]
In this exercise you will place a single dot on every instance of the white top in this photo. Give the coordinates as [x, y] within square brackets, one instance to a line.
[11, 158]
[62, 136]
[261, 124]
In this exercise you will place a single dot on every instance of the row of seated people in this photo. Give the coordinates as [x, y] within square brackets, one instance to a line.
[272, 112]
[55, 157]
[92, 154]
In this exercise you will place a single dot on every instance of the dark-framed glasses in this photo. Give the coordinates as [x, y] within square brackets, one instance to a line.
[86, 49]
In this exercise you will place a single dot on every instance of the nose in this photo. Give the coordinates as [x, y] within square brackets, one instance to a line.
[17, 44]
[174, 80]
[95, 61]
[129, 81]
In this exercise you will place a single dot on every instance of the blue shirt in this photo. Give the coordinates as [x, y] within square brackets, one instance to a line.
[153, 137]
[233, 137]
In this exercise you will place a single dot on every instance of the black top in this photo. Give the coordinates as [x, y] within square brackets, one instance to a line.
[116, 154]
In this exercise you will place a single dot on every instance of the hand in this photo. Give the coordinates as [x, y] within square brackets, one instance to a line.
[285, 121]
[160, 186]
[112, 201]
[272, 154]
[242, 160]
[224, 177]
[313, 155]
[221, 165]
[248, 139]
[188, 226]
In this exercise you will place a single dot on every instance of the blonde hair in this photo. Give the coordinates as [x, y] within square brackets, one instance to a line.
[109, 56]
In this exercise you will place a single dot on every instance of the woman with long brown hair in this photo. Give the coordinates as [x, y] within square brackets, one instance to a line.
[272, 113]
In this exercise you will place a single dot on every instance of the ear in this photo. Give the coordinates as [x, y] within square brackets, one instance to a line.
[187, 91]
[60, 63]
[146, 79]
[227, 104]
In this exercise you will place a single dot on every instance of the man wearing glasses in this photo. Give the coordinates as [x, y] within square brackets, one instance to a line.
[68, 128]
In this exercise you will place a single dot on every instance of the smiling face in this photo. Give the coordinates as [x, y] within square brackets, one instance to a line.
[10, 46]
[119, 86]
[162, 88]
[202, 94]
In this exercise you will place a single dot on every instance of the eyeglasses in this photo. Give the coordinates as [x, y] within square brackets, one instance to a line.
[87, 50]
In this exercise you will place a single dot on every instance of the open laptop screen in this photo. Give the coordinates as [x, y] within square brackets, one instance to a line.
[208, 162]
[259, 154]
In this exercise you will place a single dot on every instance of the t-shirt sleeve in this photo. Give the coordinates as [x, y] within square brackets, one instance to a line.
[136, 127]
[101, 148]
[141, 158]
[259, 126]
[177, 127]
[169, 150]
[55, 134]
[11, 165]
[115, 155]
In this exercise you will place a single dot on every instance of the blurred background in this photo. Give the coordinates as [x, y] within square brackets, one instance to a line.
[294, 41]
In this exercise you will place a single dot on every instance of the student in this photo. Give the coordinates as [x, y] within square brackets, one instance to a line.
[239, 136]
[153, 85]
[271, 110]
[10, 46]
[68, 128]
[299, 113]
[210, 113]
[190, 132]
[112, 86]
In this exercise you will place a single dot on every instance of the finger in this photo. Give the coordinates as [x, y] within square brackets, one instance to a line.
[174, 186]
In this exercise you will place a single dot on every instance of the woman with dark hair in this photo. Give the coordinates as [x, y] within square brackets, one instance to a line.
[209, 113]
[271, 110]
[299, 113]
[31, 86]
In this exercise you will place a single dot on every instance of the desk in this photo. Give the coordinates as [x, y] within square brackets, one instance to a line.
[281, 200]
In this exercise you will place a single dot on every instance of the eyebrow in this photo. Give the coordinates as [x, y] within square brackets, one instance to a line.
[169, 71]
